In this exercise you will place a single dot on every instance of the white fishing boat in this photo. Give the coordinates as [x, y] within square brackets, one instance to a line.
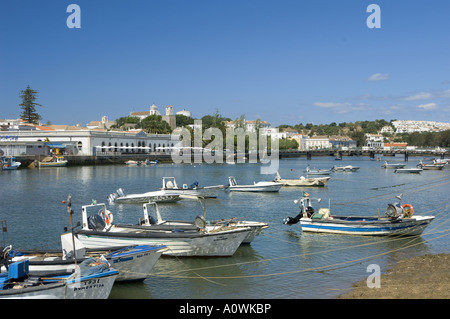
[392, 165]
[92, 279]
[156, 220]
[441, 161]
[120, 197]
[430, 166]
[255, 187]
[55, 161]
[346, 168]
[398, 221]
[408, 170]
[170, 187]
[99, 232]
[302, 181]
[9, 163]
[318, 171]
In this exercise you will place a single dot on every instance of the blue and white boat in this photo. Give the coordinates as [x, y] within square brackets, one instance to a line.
[398, 221]
[9, 163]
[93, 279]
[134, 263]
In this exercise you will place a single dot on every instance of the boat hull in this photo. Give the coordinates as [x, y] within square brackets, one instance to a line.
[368, 226]
[408, 170]
[178, 243]
[52, 164]
[132, 263]
[319, 181]
[258, 187]
[207, 192]
[97, 286]
[147, 197]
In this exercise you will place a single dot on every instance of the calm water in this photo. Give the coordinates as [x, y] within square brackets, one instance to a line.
[280, 263]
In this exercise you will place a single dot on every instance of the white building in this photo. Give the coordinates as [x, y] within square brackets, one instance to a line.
[315, 143]
[374, 141]
[408, 126]
[184, 112]
[90, 142]
[251, 126]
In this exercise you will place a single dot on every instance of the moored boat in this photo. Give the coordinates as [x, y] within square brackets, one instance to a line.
[156, 196]
[408, 170]
[99, 232]
[55, 161]
[317, 171]
[9, 163]
[170, 187]
[255, 187]
[430, 166]
[398, 221]
[392, 165]
[346, 168]
[156, 220]
[302, 181]
[92, 279]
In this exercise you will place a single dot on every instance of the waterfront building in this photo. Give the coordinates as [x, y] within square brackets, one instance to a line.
[342, 141]
[315, 143]
[75, 140]
[374, 141]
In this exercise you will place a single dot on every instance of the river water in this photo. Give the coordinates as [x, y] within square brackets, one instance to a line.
[282, 262]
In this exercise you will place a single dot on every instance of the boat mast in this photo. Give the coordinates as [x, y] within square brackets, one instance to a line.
[70, 211]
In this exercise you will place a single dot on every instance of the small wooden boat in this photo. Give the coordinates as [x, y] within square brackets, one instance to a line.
[93, 279]
[398, 221]
[302, 181]
[255, 187]
[55, 161]
[392, 165]
[120, 197]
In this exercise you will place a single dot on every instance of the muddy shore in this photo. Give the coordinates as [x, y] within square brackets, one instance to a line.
[421, 277]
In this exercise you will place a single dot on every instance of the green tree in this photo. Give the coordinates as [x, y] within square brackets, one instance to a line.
[183, 120]
[120, 122]
[28, 105]
[155, 124]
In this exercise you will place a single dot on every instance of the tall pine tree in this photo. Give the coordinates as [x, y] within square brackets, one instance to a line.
[28, 105]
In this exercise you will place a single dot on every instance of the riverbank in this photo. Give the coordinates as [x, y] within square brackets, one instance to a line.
[420, 277]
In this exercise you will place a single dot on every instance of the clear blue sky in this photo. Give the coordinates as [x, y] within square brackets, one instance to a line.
[287, 62]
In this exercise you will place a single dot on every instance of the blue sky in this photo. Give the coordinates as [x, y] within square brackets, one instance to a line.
[286, 62]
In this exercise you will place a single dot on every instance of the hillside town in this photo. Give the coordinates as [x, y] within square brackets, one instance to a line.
[18, 137]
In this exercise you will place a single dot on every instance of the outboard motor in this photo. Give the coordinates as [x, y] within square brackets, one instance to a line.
[112, 198]
[395, 210]
[120, 192]
[194, 185]
[291, 221]
[96, 222]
